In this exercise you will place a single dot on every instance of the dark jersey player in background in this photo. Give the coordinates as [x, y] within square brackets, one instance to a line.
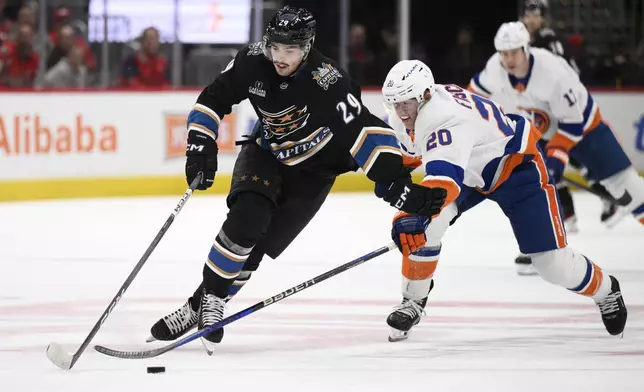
[535, 16]
[312, 127]
[541, 36]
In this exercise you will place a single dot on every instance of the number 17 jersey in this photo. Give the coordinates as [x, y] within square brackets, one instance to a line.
[550, 95]
[466, 139]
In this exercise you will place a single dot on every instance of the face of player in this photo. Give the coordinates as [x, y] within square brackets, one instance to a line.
[286, 58]
[407, 111]
[515, 61]
[533, 21]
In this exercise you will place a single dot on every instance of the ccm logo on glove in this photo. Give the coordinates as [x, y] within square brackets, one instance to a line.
[403, 197]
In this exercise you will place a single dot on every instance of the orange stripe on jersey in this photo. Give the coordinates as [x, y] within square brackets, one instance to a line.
[470, 88]
[418, 270]
[553, 205]
[595, 281]
[560, 140]
[558, 153]
[412, 161]
[450, 186]
[515, 160]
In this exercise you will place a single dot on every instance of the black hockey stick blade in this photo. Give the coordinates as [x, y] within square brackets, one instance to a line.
[63, 359]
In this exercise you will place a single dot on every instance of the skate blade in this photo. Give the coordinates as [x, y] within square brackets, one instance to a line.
[526, 270]
[397, 336]
[571, 227]
[617, 217]
[208, 345]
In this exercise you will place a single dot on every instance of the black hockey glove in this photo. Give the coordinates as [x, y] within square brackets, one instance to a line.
[201, 156]
[415, 199]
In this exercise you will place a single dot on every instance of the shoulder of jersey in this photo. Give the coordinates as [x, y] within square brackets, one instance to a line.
[547, 62]
[547, 32]
[253, 49]
[324, 71]
[441, 109]
[250, 59]
[251, 54]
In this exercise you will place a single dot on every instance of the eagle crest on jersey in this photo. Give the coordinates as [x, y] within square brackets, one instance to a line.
[326, 75]
[285, 122]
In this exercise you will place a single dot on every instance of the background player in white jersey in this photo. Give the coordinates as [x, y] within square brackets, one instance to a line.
[473, 150]
[535, 17]
[542, 86]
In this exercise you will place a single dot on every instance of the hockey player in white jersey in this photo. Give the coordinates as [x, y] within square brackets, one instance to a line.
[473, 150]
[542, 86]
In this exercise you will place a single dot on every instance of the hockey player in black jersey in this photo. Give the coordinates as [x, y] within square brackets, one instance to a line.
[541, 36]
[312, 127]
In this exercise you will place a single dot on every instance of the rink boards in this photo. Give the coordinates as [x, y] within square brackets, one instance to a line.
[120, 143]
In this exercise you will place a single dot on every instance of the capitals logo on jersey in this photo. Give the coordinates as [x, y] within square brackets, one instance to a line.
[539, 118]
[285, 122]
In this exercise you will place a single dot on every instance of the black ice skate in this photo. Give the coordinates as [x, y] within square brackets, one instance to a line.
[176, 324]
[211, 312]
[612, 214]
[404, 317]
[613, 309]
[524, 266]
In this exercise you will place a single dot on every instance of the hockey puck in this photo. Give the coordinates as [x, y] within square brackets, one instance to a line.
[156, 369]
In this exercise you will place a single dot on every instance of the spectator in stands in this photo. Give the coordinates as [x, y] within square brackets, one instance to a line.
[21, 65]
[66, 39]
[62, 17]
[361, 59]
[62, 20]
[5, 24]
[69, 72]
[387, 57]
[464, 57]
[26, 16]
[147, 67]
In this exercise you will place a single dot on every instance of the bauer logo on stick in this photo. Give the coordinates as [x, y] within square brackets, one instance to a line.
[289, 292]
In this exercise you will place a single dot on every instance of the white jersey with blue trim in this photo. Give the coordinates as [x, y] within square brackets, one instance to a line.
[466, 139]
[551, 95]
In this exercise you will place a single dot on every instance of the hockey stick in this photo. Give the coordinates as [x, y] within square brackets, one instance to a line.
[55, 352]
[601, 195]
[250, 310]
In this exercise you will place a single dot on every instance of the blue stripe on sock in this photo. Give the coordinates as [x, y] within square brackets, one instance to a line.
[222, 262]
[234, 289]
[639, 210]
[586, 280]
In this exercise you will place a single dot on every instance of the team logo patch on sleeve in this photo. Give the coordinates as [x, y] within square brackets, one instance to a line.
[326, 75]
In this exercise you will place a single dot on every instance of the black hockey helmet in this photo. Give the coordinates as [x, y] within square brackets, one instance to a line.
[291, 26]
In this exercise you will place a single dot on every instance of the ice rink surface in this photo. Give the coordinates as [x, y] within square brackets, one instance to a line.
[486, 329]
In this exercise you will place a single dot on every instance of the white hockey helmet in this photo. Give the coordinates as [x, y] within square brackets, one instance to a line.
[512, 35]
[406, 80]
